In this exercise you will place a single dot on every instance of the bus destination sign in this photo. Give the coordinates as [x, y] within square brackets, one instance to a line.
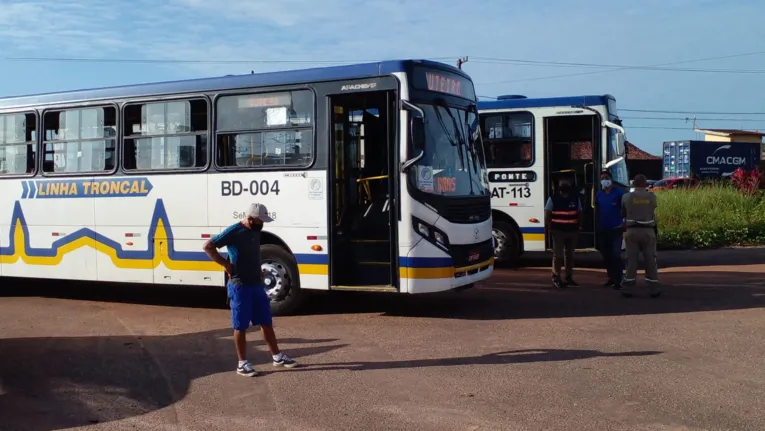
[264, 100]
[443, 82]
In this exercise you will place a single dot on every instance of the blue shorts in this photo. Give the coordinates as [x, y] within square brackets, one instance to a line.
[249, 304]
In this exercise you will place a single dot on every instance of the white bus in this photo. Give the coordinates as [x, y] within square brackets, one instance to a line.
[373, 173]
[529, 145]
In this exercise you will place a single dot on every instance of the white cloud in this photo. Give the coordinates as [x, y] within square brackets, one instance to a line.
[59, 28]
[592, 31]
[603, 31]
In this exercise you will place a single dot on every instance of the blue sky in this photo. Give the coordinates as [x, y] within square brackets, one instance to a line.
[620, 32]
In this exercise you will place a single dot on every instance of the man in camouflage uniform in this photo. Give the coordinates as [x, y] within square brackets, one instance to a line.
[639, 211]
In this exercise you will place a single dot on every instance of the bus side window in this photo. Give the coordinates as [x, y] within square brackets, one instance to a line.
[80, 140]
[18, 135]
[265, 129]
[166, 135]
[509, 139]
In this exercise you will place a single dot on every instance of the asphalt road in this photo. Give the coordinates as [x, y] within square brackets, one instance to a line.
[511, 354]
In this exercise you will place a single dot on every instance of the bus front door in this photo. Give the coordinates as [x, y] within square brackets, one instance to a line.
[572, 148]
[363, 252]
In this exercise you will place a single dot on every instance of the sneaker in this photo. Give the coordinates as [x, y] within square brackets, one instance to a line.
[557, 282]
[246, 370]
[285, 361]
[609, 283]
[570, 282]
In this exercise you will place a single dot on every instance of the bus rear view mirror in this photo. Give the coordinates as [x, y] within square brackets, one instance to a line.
[620, 144]
[416, 125]
[418, 133]
[619, 137]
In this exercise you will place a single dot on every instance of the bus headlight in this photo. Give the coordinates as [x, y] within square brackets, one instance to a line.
[431, 234]
[423, 230]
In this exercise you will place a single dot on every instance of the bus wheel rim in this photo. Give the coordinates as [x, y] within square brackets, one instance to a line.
[276, 280]
[499, 240]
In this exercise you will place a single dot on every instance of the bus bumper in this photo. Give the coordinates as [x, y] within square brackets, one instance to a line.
[458, 278]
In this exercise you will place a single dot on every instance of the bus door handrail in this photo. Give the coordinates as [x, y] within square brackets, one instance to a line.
[366, 180]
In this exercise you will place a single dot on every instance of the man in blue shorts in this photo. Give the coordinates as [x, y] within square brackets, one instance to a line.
[246, 291]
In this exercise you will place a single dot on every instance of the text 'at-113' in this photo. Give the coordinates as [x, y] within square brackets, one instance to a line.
[515, 192]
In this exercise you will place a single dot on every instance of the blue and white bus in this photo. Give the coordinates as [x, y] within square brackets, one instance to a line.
[529, 144]
[373, 173]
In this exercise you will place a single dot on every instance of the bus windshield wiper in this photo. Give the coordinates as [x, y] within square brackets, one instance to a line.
[460, 144]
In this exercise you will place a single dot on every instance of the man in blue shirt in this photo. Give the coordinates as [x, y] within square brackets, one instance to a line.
[608, 205]
[246, 291]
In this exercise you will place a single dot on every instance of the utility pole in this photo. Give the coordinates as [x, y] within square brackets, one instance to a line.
[461, 61]
[693, 123]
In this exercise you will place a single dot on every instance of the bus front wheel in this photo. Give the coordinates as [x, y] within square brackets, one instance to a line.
[507, 246]
[282, 279]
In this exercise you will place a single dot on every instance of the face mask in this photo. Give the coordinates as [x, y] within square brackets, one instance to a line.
[605, 183]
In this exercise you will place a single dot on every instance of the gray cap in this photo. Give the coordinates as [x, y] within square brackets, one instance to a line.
[259, 211]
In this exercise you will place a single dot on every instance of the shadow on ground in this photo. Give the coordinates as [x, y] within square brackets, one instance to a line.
[667, 258]
[500, 358]
[58, 383]
[526, 294]
[508, 294]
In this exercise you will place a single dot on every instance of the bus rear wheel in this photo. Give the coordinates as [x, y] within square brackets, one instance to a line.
[507, 246]
[282, 279]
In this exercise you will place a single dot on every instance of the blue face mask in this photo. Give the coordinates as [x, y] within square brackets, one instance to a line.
[605, 183]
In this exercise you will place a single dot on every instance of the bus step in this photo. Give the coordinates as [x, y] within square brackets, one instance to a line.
[381, 288]
[372, 272]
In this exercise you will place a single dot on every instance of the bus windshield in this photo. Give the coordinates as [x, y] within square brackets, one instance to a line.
[453, 163]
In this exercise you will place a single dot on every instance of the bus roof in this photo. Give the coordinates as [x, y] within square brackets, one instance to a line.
[546, 102]
[287, 77]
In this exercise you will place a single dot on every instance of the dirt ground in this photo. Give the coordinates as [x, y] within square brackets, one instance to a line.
[511, 354]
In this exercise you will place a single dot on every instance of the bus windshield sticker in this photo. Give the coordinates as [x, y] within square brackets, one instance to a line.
[447, 184]
[425, 178]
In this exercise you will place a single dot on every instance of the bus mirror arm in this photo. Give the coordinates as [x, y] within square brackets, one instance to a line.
[408, 164]
[613, 162]
[411, 106]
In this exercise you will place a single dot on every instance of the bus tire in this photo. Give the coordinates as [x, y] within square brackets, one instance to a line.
[507, 248]
[282, 279]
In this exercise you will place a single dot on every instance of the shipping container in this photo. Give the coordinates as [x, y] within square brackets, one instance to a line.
[708, 160]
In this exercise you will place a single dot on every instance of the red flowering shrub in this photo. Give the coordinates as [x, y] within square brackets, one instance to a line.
[747, 182]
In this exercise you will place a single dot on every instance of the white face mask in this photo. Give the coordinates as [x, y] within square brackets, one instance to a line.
[605, 183]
